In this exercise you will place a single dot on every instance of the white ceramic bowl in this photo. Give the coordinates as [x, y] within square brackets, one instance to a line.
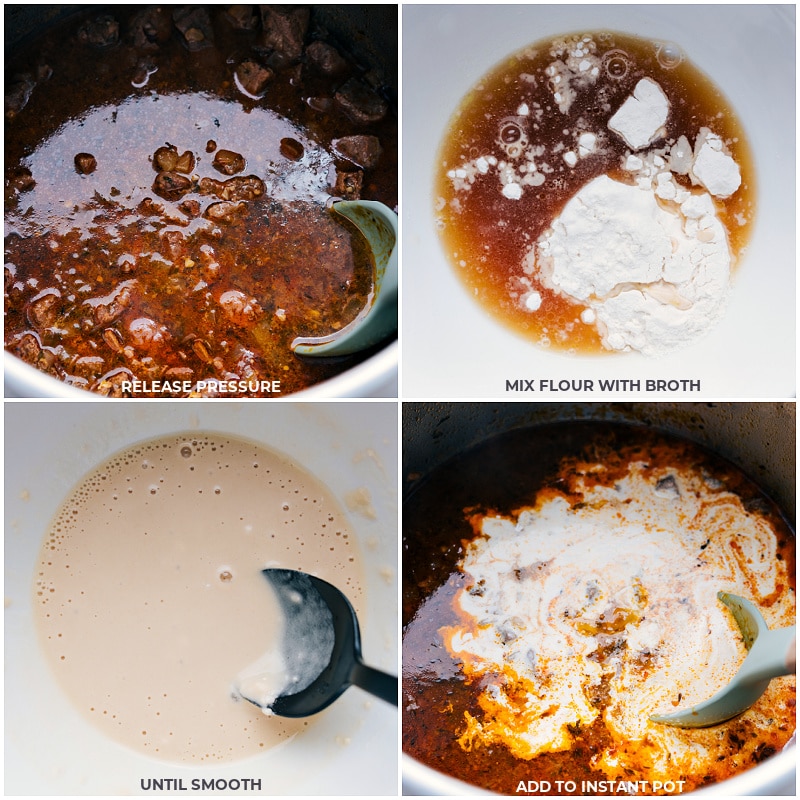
[50, 749]
[452, 348]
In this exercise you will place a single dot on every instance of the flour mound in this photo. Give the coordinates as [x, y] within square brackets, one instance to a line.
[656, 279]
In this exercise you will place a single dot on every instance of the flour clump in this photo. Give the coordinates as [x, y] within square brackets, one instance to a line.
[655, 279]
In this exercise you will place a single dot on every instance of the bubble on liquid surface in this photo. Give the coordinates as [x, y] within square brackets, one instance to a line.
[669, 55]
[186, 451]
[616, 63]
[511, 137]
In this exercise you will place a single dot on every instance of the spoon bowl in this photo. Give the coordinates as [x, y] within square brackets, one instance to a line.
[770, 654]
[378, 319]
[321, 648]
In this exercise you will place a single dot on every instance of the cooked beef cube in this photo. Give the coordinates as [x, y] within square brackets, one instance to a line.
[194, 24]
[363, 151]
[20, 180]
[43, 310]
[224, 211]
[174, 246]
[116, 303]
[227, 162]
[190, 207]
[171, 185]
[102, 31]
[325, 58]
[88, 366]
[85, 163]
[151, 27]
[243, 18]
[110, 385]
[253, 77]
[146, 333]
[166, 159]
[18, 94]
[28, 349]
[247, 187]
[360, 103]
[284, 29]
[348, 184]
[239, 308]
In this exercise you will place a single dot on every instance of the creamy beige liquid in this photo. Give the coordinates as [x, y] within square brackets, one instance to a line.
[149, 595]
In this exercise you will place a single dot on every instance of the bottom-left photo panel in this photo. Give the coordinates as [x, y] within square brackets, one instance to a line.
[201, 598]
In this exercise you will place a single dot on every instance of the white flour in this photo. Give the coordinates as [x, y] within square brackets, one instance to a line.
[655, 280]
[554, 591]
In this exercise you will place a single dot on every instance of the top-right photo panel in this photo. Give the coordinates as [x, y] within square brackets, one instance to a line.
[598, 201]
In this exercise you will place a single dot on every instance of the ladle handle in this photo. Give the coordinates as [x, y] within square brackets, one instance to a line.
[378, 683]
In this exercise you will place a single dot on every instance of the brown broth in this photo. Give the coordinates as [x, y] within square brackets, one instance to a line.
[487, 236]
[107, 281]
[501, 476]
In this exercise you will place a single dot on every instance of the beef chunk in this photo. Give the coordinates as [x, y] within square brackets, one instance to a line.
[247, 187]
[194, 24]
[364, 151]
[284, 29]
[28, 349]
[151, 27]
[167, 159]
[253, 77]
[102, 31]
[171, 185]
[360, 103]
[190, 207]
[43, 310]
[348, 184]
[227, 162]
[116, 303]
[240, 309]
[88, 366]
[110, 385]
[20, 180]
[224, 211]
[17, 94]
[325, 58]
[243, 18]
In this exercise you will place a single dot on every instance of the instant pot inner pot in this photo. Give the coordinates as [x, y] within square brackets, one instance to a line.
[759, 439]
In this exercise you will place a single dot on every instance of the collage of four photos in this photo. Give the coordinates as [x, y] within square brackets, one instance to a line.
[399, 399]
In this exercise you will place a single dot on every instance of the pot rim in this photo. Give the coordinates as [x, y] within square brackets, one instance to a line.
[363, 380]
[768, 777]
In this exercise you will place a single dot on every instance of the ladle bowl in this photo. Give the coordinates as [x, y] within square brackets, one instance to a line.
[377, 320]
[322, 637]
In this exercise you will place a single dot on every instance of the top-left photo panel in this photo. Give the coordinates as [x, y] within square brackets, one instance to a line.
[201, 201]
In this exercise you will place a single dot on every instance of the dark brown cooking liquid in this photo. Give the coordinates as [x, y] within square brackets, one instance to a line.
[501, 476]
[108, 281]
[487, 236]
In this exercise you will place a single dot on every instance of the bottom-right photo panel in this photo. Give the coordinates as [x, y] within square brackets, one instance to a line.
[598, 598]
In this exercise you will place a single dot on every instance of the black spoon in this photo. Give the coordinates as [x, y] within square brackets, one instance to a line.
[321, 646]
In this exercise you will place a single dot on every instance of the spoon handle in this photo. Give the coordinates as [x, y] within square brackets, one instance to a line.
[378, 683]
